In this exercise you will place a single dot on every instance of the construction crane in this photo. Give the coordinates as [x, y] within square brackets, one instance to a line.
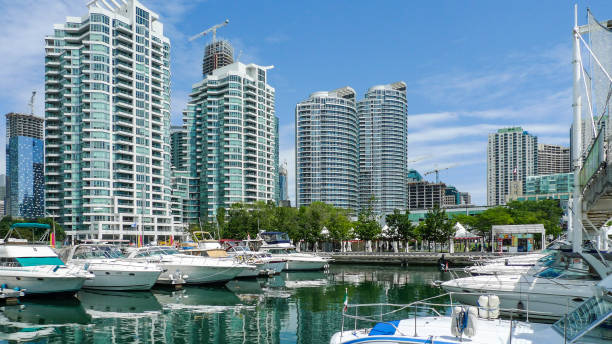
[31, 103]
[417, 159]
[209, 30]
[437, 171]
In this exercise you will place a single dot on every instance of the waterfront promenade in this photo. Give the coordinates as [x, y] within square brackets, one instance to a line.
[415, 258]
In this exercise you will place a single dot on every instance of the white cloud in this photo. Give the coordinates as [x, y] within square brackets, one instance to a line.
[426, 119]
[278, 37]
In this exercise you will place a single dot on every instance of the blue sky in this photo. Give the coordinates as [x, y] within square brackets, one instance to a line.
[471, 66]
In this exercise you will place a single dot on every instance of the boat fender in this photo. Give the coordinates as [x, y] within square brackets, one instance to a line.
[86, 266]
[56, 268]
[463, 322]
[493, 306]
[483, 306]
[472, 323]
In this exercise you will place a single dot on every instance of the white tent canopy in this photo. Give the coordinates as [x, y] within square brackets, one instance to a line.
[463, 234]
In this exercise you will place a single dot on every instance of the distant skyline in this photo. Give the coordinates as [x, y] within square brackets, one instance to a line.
[471, 67]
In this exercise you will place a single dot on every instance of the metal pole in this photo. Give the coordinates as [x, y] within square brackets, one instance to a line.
[415, 320]
[510, 339]
[576, 233]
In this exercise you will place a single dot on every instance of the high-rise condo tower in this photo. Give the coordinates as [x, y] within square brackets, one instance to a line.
[107, 111]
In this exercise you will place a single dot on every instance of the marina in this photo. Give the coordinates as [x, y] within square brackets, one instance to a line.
[292, 307]
[144, 202]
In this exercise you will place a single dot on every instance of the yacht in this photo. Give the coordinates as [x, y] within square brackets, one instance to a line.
[512, 265]
[193, 269]
[546, 294]
[589, 323]
[278, 245]
[112, 271]
[37, 269]
[264, 261]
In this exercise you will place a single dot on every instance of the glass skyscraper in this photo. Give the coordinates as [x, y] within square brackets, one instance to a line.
[107, 111]
[233, 137]
[383, 148]
[327, 153]
[25, 183]
[282, 182]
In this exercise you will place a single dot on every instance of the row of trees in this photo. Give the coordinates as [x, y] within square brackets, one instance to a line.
[306, 223]
[546, 212]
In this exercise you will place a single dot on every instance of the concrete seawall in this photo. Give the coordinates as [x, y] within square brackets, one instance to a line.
[415, 258]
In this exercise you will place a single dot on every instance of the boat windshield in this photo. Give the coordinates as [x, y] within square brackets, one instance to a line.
[547, 260]
[570, 274]
[277, 251]
[156, 251]
[586, 317]
[275, 237]
[97, 252]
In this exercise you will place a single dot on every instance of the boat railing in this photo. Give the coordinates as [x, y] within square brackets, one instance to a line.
[414, 308]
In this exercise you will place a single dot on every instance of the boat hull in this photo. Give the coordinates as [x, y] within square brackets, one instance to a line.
[301, 265]
[545, 305]
[110, 279]
[199, 274]
[36, 285]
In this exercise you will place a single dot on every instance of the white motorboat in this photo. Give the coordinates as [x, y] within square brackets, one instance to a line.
[476, 325]
[37, 269]
[193, 269]
[547, 294]
[112, 271]
[512, 265]
[264, 261]
[278, 245]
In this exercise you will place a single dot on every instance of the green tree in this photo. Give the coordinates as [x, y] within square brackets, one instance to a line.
[547, 212]
[401, 227]
[221, 213]
[437, 227]
[367, 227]
[339, 224]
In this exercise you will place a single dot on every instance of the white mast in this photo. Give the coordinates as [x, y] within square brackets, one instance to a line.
[575, 232]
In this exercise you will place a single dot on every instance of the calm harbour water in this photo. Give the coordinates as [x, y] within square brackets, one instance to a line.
[295, 307]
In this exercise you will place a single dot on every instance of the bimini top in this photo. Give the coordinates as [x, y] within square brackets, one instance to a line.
[30, 225]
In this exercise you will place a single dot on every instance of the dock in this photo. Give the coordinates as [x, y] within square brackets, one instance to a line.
[415, 258]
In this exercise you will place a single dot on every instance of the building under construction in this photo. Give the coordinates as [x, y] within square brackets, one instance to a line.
[217, 54]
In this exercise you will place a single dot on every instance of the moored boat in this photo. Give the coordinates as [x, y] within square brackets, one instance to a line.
[37, 269]
[112, 271]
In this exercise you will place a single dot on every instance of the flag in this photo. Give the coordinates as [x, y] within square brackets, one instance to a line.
[52, 239]
[139, 244]
[134, 225]
[345, 300]
[172, 240]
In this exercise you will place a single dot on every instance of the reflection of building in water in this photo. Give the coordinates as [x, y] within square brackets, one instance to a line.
[393, 276]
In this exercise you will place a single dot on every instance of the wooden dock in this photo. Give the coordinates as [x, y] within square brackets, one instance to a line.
[414, 258]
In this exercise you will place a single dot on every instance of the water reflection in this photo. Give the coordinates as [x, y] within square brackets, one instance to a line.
[296, 307]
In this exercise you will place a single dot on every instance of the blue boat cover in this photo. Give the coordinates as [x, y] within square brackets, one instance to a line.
[384, 329]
